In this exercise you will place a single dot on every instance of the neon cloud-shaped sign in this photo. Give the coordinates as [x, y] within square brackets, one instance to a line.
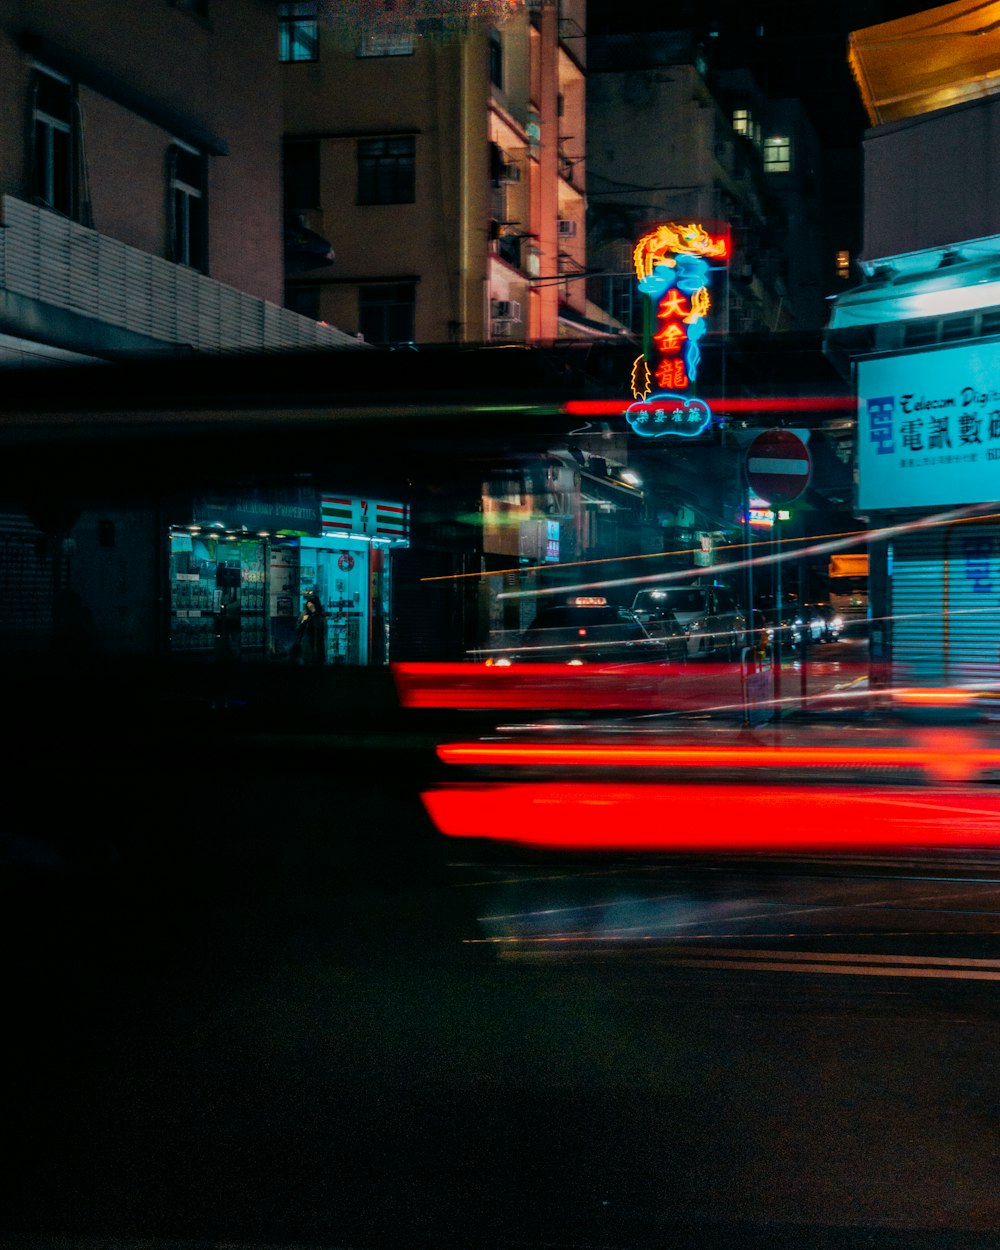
[673, 266]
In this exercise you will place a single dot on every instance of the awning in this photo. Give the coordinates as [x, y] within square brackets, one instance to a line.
[936, 283]
[305, 249]
[930, 60]
[593, 324]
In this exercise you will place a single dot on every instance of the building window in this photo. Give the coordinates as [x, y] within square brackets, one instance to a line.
[392, 41]
[300, 174]
[843, 264]
[509, 248]
[186, 206]
[298, 31]
[777, 154]
[957, 328]
[386, 170]
[918, 333]
[53, 142]
[386, 312]
[496, 60]
[744, 124]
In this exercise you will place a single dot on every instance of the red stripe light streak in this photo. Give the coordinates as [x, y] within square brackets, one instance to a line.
[763, 403]
[703, 818]
[947, 760]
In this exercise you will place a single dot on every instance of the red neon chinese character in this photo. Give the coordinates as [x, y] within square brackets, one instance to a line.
[670, 374]
[672, 305]
[670, 338]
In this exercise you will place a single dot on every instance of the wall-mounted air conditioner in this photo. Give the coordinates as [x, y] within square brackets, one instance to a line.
[567, 228]
[505, 310]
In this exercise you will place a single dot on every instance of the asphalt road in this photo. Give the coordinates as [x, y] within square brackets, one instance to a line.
[265, 1004]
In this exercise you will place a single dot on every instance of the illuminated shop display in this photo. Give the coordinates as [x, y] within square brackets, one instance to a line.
[673, 265]
[241, 566]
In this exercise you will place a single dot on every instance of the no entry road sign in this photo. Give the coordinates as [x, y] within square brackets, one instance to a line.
[778, 466]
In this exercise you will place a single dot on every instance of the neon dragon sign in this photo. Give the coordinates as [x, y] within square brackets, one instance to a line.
[673, 265]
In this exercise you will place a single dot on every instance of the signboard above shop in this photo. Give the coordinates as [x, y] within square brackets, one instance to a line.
[929, 428]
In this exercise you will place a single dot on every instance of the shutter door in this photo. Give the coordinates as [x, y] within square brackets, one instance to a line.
[27, 585]
[423, 612]
[945, 606]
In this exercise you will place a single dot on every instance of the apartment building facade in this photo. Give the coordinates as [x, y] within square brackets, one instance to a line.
[140, 181]
[443, 169]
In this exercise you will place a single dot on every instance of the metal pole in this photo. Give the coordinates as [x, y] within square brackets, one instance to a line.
[778, 639]
[806, 637]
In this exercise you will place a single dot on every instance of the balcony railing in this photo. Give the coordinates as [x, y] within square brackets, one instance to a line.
[47, 257]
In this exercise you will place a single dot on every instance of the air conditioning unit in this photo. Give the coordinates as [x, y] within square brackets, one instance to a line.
[505, 310]
[510, 173]
[567, 228]
[500, 329]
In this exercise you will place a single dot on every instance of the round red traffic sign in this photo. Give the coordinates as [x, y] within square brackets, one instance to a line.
[778, 466]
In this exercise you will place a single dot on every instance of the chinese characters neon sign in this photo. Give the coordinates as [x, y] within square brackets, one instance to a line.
[673, 266]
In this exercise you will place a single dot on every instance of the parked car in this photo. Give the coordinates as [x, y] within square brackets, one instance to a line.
[589, 630]
[711, 617]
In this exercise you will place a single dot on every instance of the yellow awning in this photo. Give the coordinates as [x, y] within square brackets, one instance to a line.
[930, 60]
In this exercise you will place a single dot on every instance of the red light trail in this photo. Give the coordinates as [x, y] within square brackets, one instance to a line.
[762, 403]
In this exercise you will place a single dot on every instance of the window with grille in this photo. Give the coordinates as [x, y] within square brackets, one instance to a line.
[53, 141]
[386, 312]
[298, 31]
[777, 154]
[386, 170]
[186, 205]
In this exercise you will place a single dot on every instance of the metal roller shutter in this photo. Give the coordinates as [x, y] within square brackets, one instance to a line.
[945, 605]
[29, 577]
